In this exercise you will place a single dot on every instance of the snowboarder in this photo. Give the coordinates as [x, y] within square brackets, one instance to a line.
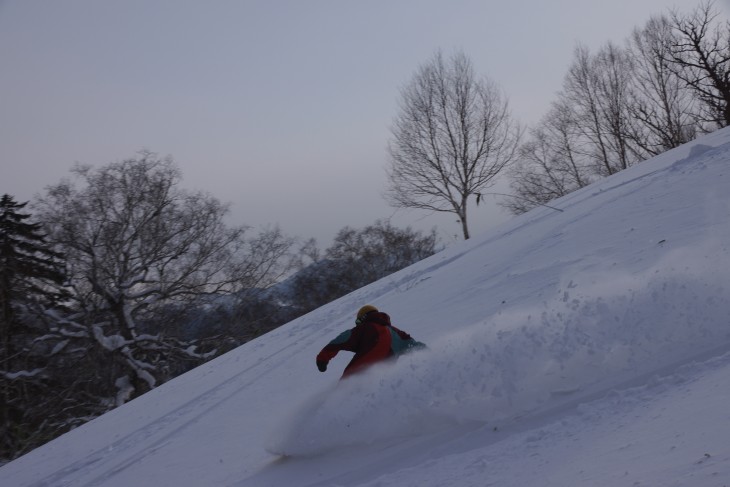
[372, 340]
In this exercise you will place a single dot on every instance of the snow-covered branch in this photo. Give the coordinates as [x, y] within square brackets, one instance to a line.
[20, 374]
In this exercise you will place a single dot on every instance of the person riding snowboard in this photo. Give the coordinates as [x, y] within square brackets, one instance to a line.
[372, 340]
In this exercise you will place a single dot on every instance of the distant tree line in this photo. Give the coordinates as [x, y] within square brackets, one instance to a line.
[624, 104]
[454, 134]
[121, 280]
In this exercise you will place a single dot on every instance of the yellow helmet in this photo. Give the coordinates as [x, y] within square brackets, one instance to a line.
[368, 308]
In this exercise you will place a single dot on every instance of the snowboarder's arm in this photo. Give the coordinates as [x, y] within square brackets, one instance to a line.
[345, 341]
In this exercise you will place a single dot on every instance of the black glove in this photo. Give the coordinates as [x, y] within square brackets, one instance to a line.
[321, 365]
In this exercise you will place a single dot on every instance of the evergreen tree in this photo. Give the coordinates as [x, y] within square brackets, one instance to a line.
[31, 276]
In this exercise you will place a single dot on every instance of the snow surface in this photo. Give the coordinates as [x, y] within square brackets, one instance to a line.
[588, 347]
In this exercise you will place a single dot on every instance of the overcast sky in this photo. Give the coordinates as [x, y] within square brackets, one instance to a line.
[281, 108]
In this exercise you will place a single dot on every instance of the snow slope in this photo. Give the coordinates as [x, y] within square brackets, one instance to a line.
[589, 346]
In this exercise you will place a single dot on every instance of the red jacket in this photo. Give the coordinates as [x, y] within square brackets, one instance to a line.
[372, 341]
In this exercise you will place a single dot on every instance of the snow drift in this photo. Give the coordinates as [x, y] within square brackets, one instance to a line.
[598, 332]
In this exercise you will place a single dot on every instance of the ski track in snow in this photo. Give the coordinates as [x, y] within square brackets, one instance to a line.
[153, 436]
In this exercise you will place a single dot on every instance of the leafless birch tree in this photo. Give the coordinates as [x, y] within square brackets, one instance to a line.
[701, 58]
[598, 90]
[453, 135]
[551, 163]
[663, 104]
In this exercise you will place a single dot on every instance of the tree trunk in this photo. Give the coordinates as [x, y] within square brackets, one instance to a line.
[462, 217]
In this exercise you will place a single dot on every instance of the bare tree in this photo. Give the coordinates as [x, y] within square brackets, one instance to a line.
[701, 58]
[587, 134]
[663, 104]
[452, 137]
[551, 163]
[136, 245]
[598, 90]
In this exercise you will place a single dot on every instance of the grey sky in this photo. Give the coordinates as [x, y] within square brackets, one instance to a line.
[281, 108]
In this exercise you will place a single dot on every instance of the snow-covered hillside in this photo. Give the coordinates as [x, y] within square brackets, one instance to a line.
[588, 346]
